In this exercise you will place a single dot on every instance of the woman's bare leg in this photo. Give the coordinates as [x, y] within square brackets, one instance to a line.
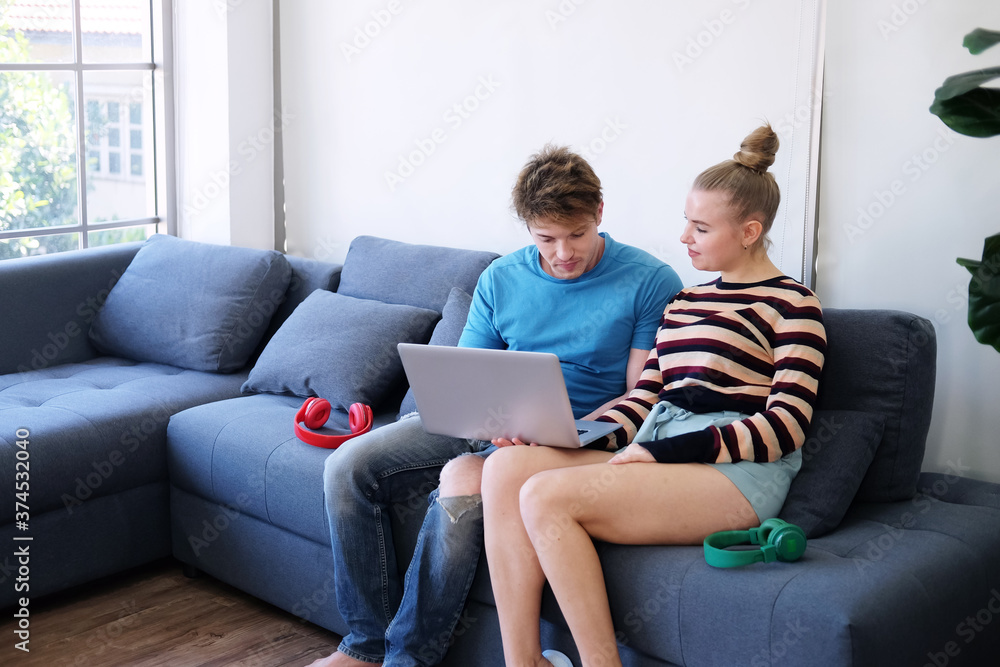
[635, 503]
[515, 573]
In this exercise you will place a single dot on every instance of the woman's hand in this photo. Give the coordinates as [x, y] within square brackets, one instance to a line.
[634, 453]
[504, 442]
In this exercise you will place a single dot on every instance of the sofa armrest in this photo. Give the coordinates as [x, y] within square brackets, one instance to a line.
[49, 302]
[959, 490]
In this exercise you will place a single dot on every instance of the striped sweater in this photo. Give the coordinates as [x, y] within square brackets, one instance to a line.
[753, 348]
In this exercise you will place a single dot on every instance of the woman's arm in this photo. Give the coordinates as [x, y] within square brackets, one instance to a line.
[799, 348]
[631, 411]
[636, 362]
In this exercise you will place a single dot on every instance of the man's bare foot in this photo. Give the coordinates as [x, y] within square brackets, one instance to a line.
[339, 659]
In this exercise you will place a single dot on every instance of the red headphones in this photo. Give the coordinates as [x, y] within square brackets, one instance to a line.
[315, 411]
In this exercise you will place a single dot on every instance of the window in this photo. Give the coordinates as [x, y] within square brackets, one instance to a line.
[83, 124]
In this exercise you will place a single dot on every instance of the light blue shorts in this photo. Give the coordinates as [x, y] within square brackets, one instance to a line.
[764, 485]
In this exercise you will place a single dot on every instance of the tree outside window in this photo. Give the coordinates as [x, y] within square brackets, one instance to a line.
[40, 78]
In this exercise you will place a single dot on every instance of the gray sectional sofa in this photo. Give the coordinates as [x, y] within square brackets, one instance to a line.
[154, 389]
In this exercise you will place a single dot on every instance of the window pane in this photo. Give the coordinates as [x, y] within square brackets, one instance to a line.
[124, 189]
[38, 179]
[94, 121]
[36, 32]
[40, 245]
[41, 112]
[115, 32]
[120, 235]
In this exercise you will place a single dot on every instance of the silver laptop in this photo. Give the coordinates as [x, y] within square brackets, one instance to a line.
[484, 394]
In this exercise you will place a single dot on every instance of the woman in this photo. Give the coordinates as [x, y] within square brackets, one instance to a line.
[715, 424]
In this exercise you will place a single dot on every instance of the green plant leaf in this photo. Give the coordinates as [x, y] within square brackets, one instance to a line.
[984, 293]
[979, 40]
[975, 113]
[959, 84]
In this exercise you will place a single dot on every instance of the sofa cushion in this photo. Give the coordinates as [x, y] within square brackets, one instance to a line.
[838, 449]
[883, 362]
[340, 348]
[891, 584]
[192, 305]
[447, 332]
[308, 275]
[96, 428]
[243, 453]
[409, 274]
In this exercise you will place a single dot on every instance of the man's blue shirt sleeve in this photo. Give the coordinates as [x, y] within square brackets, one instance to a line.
[653, 300]
[480, 328]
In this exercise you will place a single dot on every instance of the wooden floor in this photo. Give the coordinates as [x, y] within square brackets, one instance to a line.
[155, 616]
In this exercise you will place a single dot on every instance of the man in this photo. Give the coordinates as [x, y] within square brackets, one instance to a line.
[575, 292]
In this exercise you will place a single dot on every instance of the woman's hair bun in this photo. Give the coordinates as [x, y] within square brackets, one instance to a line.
[758, 149]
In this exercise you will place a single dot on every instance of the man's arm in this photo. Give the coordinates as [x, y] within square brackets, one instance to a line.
[636, 362]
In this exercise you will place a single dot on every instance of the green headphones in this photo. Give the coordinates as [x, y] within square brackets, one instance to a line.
[778, 540]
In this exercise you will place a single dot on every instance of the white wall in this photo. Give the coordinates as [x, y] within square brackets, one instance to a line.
[884, 249]
[350, 115]
[225, 126]
[411, 119]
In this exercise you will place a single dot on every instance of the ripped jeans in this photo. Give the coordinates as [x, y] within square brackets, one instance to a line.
[408, 622]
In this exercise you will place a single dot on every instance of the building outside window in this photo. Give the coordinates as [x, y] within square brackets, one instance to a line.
[66, 184]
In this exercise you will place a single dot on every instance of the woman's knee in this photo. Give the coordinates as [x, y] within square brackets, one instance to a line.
[506, 470]
[462, 476]
[546, 507]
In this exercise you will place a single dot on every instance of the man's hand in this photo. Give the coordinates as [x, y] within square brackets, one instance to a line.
[634, 453]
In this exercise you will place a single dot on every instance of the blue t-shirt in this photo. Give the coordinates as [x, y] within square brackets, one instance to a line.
[591, 322]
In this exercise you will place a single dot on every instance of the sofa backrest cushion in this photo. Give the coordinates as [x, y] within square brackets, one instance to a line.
[308, 275]
[883, 362]
[340, 348]
[448, 331]
[192, 305]
[409, 274]
[49, 301]
[838, 450]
